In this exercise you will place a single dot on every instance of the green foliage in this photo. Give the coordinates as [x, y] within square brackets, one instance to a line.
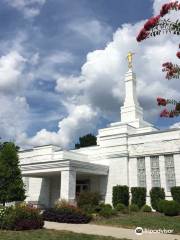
[21, 218]
[146, 208]
[11, 184]
[156, 195]
[88, 201]
[138, 196]
[120, 207]
[161, 204]
[175, 191]
[170, 208]
[86, 141]
[133, 208]
[120, 195]
[107, 211]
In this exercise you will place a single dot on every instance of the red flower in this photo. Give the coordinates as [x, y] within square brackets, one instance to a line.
[178, 54]
[142, 35]
[161, 101]
[164, 113]
[168, 6]
[151, 22]
[165, 9]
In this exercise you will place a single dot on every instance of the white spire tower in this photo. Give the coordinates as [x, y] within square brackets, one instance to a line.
[131, 112]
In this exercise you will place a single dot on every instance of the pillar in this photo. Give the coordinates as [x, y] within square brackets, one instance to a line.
[148, 179]
[68, 185]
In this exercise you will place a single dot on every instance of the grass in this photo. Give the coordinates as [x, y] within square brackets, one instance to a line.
[48, 235]
[144, 220]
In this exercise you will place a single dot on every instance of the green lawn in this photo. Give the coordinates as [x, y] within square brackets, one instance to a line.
[48, 235]
[144, 220]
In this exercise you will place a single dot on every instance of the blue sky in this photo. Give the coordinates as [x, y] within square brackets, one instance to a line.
[53, 86]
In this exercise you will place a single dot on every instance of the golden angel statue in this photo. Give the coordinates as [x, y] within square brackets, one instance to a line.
[130, 58]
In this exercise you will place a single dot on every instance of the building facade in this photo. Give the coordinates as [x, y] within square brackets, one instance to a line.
[131, 152]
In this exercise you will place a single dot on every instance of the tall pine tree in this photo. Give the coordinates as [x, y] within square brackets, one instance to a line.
[11, 183]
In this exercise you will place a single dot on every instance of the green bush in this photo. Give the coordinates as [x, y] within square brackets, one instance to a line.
[107, 211]
[120, 195]
[138, 196]
[161, 204]
[21, 218]
[170, 208]
[103, 205]
[88, 199]
[156, 195]
[120, 207]
[175, 191]
[146, 208]
[133, 208]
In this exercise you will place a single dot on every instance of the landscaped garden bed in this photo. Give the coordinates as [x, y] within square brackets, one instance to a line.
[20, 217]
[63, 212]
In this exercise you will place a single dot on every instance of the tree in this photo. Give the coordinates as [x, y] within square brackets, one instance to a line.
[86, 141]
[154, 27]
[11, 183]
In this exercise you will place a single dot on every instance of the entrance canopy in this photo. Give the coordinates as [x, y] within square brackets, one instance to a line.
[49, 160]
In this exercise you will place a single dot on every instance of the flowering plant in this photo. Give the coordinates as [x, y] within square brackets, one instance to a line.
[153, 27]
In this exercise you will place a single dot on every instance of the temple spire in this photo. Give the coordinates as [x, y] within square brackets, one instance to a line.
[131, 112]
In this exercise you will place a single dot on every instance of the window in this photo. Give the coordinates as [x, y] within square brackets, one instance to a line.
[141, 172]
[82, 186]
[155, 172]
[170, 172]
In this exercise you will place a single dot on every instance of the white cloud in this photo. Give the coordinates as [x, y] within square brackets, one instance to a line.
[80, 119]
[11, 68]
[92, 30]
[98, 90]
[13, 116]
[47, 67]
[175, 125]
[30, 8]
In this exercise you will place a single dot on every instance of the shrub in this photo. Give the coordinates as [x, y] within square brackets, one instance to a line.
[103, 205]
[61, 203]
[156, 195]
[21, 218]
[120, 195]
[161, 204]
[175, 191]
[133, 208]
[170, 208]
[88, 198]
[120, 207]
[146, 208]
[138, 196]
[107, 211]
[66, 214]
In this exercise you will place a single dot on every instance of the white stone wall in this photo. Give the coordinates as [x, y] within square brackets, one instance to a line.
[39, 190]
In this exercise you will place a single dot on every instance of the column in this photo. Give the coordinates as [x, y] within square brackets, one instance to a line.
[163, 174]
[177, 168]
[68, 185]
[148, 178]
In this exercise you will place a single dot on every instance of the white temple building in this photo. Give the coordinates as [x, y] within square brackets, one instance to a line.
[131, 152]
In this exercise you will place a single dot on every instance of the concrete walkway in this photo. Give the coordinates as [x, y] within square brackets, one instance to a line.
[109, 231]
